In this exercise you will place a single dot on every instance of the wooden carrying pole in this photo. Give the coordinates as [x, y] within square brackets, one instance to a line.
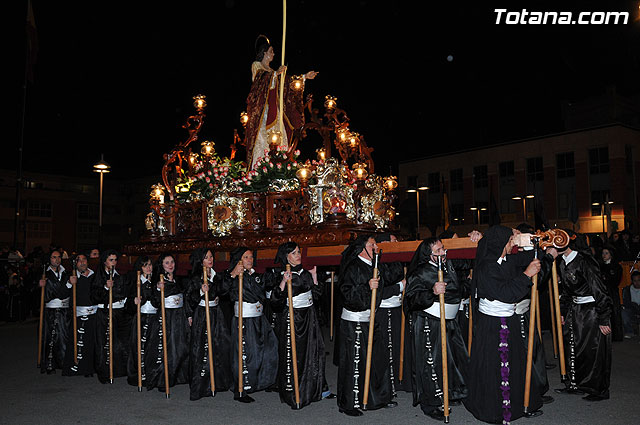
[292, 330]
[331, 308]
[138, 327]
[553, 321]
[209, 339]
[111, 326]
[372, 318]
[532, 325]
[402, 331]
[538, 324]
[470, 336]
[556, 302]
[44, 277]
[443, 344]
[75, 320]
[240, 360]
[164, 338]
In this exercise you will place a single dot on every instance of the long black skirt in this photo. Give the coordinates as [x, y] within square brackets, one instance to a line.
[587, 350]
[310, 357]
[199, 378]
[351, 371]
[86, 337]
[177, 348]
[121, 337]
[260, 347]
[149, 337]
[497, 371]
[390, 322]
[55, 338]
[427, 346]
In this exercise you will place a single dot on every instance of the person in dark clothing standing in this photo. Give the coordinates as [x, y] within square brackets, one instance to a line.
[611, 272]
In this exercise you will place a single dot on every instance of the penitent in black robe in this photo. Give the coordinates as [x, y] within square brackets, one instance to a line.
[199, 378]
[121, 325]
[356, 296]
[587, 350]
[56, 320]
[177, 329]
[260, 346]
[427, 351]
[149, 334]
[309, 342]
[86, 330]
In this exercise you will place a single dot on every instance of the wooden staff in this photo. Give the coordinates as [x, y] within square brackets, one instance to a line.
[209, 345]
[331, 309]
[372, 318]
[44, 277]
[164, 338]
[402, 330]
[75, 321]
[470, 336]
[553, 321]
[538, 324]
[138, 326]
[556, 301]
[240, 362]
[443, 345]
[111, 326]
[292, 329]
[532, 324]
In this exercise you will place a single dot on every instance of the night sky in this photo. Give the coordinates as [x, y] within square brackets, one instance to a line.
[118, 77]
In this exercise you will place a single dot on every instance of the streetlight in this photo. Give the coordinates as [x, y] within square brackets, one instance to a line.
[417, 192]
[477, 210]
[102, 168]
[602, 205]
[524, 203]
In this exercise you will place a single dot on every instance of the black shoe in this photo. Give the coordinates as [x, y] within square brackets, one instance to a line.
[549, 366]
[533, 414]
[593, 397]
[244, 399]
[351, 412]
[89, 375]
[331, 395]
[568, 391]
[51, 372]
[391, 405]
[546, 399]
[436, 414]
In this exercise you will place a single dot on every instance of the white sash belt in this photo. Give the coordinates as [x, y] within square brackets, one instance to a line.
[58, 303]
[173, 301]
[148, 308]
[355, 316]
[86, 310]
[496, 308]
[523, 306]
[392, 302]
[212, 303]
[450, 310]
[115, 304]
[584, 300]
[248, 309]
[303, 300]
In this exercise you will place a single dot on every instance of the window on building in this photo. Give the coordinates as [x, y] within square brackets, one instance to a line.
[598, 198]
[535, 173]
[565, 165]
[412, 181]
[88, 211]
[87, 232]
[38, 209]
[480, 176]
[434, 182]
[455, 183]
[506, 172]
[38, 230]
[599, 160]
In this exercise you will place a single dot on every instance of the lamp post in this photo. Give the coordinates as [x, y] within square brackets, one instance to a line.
[477, 210]
[102, 168]
[417, 192]
[524, 203]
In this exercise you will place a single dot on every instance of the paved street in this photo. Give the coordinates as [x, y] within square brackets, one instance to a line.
[31, 398]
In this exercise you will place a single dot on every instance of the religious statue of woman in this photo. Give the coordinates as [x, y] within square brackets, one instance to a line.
[263, 106]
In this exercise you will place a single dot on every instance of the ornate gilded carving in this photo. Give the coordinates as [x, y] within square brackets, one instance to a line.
[225, 213]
